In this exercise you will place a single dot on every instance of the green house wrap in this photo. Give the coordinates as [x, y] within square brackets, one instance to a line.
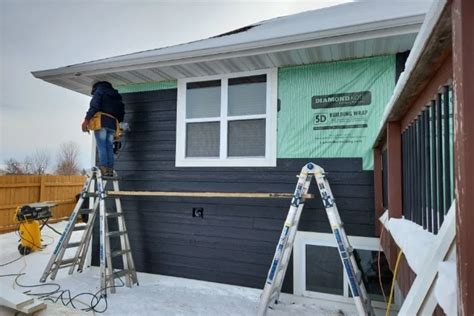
[333, 109]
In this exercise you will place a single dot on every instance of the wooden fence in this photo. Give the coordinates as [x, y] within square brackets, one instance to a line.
[16, 190]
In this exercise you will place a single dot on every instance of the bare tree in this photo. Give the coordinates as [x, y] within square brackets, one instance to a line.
[68, 156]
[28, 165]
[13, 166]
[40, 161]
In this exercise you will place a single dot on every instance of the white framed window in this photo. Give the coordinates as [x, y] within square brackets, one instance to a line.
[227, 120]
[318, 271]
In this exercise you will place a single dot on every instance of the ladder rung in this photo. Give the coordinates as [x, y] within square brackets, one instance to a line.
[117, 233]
[79, 227]
[91, 194]
[66, 262]
[121, 273]
[111, 178]
[86, 211]
[115, 214]
[117, 253]
[73, 244]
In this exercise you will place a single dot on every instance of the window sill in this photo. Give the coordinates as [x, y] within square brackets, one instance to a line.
[230, 162]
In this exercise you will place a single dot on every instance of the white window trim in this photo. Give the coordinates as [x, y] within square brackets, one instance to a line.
[326, 239]
[223, 161]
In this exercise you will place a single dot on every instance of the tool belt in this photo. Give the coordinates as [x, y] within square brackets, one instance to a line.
[95, 123]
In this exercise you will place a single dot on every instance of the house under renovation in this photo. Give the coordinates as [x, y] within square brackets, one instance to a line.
[244, 111]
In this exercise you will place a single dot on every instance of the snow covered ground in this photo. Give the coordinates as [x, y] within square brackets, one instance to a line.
[156, 294]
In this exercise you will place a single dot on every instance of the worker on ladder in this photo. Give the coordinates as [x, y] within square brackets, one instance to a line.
[105, 113]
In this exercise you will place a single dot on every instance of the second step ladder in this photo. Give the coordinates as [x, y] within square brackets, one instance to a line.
[276, 274]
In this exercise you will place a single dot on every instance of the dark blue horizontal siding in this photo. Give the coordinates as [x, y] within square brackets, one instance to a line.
[235, 241]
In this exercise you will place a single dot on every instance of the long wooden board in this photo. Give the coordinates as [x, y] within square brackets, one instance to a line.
[209, 194]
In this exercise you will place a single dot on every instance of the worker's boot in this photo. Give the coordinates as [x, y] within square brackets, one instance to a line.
[104, 170]
[110, 172]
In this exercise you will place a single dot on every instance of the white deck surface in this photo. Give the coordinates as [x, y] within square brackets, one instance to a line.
[156, 294]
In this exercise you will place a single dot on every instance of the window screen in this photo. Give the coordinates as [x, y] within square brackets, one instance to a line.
[202, 139]
[247, 95]
[246, 138]
[203, 99]
[324, 271]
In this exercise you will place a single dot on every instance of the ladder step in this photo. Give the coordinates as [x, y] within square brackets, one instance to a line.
[73, 244]
[66, 262]
[114, 178]
[91, 194]
[117, 253]
[121, 273]
[117, 233]
[79, 227]
[112, 215]
[86, 211]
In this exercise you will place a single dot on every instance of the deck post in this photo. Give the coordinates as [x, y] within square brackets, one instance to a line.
[394, 169]
[378, 189]
[463, 71]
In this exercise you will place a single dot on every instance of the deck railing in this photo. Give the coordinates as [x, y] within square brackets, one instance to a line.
[427, 163]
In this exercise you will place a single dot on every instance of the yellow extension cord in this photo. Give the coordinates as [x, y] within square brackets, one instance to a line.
[389, 304]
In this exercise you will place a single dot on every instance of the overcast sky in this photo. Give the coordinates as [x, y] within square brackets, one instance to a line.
[40, 34]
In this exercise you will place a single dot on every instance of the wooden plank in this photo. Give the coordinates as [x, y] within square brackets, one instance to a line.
[19, 185]
[209, 194]
[42, 188]
[64, 184]
[424, 282]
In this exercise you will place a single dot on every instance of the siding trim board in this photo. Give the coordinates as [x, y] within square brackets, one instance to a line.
[235, 241]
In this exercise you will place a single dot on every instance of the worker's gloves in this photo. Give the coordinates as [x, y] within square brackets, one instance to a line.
[85, 126]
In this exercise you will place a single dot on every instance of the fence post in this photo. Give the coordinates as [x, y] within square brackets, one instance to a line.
[42, 188]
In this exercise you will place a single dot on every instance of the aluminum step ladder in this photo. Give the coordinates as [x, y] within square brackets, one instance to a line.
[276, 274]
[94, 190]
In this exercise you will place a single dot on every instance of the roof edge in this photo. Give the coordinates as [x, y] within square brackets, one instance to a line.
[404, 25]
[422, 42]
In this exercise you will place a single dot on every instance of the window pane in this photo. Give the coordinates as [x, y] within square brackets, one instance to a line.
[324, 272]
[203, 99]
[202, 139]
[246, 138]
[247, 95]
[367, 261]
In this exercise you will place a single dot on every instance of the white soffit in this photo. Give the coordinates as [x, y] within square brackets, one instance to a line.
[352, 30]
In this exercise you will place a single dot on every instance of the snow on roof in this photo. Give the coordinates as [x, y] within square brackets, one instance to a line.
[349, 17]
[346, 31]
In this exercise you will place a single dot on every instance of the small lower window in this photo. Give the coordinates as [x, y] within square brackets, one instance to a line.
[227, 121]
[318, 271]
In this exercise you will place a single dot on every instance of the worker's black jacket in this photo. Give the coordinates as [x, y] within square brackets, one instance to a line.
[106, 99]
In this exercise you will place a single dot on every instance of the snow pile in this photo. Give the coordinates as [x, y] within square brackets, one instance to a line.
[446, 287]
[412, 239]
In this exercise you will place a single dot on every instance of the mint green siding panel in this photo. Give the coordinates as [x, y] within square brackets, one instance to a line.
[338, 128]
[147, 86]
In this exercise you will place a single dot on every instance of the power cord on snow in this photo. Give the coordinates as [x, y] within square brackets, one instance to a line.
[64, 296]
[57, 294]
